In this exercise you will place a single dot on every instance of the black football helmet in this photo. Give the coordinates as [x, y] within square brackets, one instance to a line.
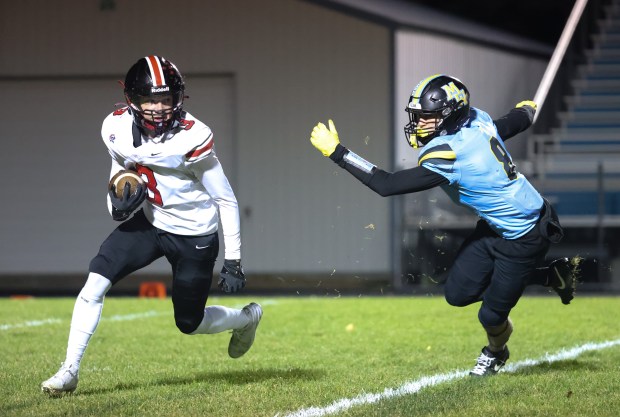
[154, 76]
[442, 98]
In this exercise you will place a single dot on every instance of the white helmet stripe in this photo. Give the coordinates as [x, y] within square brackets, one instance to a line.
[157, 74]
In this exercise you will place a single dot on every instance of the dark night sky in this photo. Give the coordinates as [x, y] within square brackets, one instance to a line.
[541, 20]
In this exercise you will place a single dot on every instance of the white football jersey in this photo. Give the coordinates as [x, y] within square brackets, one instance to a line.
[186, 185]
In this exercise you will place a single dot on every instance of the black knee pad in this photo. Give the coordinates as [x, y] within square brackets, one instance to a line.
[491, 318]
[187, 325]
[455, 297]
[189, 304]
[101, 265]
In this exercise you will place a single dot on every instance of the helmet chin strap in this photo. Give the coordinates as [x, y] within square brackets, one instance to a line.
[137, 135]
[147, 127]
[136, 130]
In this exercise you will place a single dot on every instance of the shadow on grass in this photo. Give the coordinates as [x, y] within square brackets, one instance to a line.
[233, 377]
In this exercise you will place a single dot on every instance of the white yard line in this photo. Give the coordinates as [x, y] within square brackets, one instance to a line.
[125, 317]
[135, 316]
[32, 323]
[36, 323]
[413, 387]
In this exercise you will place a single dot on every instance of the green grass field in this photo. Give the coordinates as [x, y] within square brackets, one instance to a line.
[313, 353]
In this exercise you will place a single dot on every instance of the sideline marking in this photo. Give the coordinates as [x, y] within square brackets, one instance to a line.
[36, 323]
[413, 387]
[135, 316]
[125, 317]
[32, 323]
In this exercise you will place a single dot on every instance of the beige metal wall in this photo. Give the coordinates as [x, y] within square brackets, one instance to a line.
[293, 63]
[285, 65]
[54, 168]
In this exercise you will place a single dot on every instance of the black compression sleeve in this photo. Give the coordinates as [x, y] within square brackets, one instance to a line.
[516, 121]
[406, 181]
[388, 183]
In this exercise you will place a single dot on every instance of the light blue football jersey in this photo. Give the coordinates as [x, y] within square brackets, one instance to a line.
[483, 177]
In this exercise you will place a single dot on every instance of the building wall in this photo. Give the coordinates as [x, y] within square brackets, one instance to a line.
[261, 74]
[289, 64]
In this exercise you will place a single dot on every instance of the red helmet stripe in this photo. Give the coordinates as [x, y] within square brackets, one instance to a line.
[157, 74]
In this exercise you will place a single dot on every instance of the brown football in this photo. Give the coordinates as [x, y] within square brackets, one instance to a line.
[125, 176]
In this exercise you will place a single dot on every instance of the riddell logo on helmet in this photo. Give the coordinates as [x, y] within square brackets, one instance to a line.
[160, 89]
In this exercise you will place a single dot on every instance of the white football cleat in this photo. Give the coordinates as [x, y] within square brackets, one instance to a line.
[242, 339]
[63, 382]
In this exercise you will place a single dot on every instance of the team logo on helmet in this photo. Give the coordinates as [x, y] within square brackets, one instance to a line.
[455, 93]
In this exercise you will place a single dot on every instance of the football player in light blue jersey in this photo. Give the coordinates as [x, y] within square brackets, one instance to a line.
[485, 182]
[464, 154]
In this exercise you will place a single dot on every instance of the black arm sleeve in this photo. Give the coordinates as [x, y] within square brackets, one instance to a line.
[516, 121]
[388, 183]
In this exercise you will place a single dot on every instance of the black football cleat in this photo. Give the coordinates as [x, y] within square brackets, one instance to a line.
[563, 279]
[490, 363]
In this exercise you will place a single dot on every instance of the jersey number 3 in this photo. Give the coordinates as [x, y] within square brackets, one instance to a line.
[151, 185]
[502, 156]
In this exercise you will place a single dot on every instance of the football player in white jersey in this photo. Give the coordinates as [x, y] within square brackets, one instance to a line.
[175, 214]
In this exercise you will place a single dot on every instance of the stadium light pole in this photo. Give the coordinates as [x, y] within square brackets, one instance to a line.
[558, 55]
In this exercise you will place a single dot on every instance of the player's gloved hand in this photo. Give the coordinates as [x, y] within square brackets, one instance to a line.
[232, 278]
[127, 203]
[529, 106]
[324, 139]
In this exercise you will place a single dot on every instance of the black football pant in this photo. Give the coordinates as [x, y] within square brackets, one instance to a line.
[494, 270]
[136, 243]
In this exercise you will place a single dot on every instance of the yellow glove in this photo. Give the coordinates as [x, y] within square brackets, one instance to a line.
[527, 103]
[324, 139]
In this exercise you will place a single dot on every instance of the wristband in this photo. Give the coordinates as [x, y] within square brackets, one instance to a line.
[358, 162]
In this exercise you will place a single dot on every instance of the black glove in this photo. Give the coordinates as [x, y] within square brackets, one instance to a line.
[529, 107]
[232, 278]
[127, 203]
[120, 216]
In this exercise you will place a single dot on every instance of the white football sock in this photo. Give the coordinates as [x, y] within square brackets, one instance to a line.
[86, 315]
[219, 318]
